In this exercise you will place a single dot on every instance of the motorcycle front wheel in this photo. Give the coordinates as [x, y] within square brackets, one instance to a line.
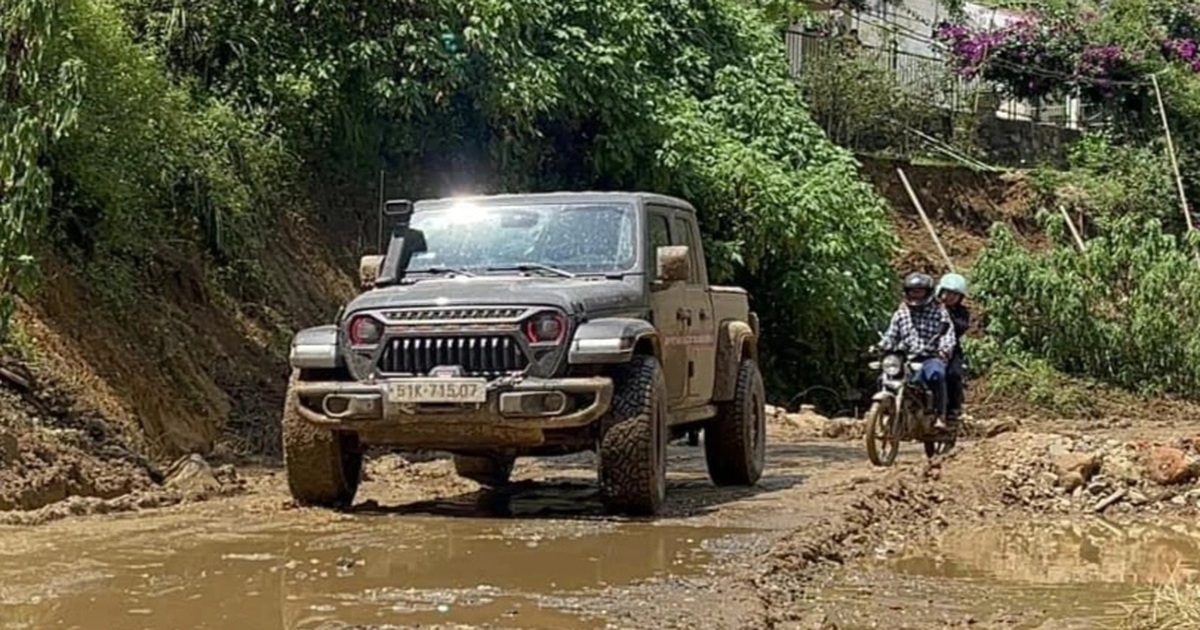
[880, 434]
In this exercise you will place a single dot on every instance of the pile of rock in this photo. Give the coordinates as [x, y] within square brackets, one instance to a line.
[1066, 474]
[807, 423]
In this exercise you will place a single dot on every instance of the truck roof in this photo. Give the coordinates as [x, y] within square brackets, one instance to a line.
[563, 197]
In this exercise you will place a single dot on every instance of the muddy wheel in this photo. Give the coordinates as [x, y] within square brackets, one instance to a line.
[735, 442]
[633, 442]
[485, 470]
[323, 466]
[881, 446]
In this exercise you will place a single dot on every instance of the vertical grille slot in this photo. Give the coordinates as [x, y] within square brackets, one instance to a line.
[478, 356]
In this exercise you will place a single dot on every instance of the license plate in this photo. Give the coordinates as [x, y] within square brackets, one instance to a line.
[438, 390]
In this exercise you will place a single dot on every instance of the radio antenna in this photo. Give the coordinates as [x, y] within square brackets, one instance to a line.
[379, 236]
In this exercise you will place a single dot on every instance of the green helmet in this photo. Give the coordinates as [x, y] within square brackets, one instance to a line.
[952, 282]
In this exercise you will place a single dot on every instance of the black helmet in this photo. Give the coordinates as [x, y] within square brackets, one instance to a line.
[918, 281]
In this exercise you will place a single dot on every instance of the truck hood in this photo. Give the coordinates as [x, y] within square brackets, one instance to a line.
[573, 295]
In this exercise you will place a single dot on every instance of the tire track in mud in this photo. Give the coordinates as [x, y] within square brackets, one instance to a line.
[902, 498]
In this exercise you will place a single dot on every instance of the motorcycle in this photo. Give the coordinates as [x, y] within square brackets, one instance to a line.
[902, 410]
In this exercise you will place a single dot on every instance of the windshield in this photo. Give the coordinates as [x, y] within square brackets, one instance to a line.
[573, 238]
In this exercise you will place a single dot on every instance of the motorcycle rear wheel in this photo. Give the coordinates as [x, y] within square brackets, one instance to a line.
[882, 445]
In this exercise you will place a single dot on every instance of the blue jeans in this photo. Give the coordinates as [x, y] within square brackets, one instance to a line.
[933, 376]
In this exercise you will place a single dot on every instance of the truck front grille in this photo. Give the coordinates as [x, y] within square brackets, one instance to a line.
[478, 356]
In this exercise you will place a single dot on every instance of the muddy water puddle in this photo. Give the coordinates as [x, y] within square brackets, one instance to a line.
[1082, 574]
[387, 571]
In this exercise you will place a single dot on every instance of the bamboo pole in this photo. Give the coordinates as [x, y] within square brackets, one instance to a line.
[1162, 112]
[1071, 225]
[925, 219]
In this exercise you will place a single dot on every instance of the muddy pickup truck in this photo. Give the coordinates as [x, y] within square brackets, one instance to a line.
[504, 326]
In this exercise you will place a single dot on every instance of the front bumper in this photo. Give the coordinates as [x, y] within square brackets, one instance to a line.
[365, 406]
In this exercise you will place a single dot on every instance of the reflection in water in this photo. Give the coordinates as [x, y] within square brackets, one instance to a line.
[1035, 575]
[358, 571]
[1090, 552]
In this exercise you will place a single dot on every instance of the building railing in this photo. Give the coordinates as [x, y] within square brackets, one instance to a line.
[928, 76]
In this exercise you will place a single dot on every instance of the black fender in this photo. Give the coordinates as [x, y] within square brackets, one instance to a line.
[736, 341]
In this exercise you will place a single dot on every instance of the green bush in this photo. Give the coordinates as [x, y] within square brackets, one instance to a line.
[1110, 181]
[148, 162]
[1124, 311]
[40, 100]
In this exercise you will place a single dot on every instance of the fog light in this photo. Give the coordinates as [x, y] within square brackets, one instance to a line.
[351, 405]
[334, 405]
[532, 403]
[549, 403]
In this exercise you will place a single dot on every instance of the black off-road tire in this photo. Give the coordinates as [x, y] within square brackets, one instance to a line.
[633, 441]
[735, 442]
[324, 467]
[486, 470]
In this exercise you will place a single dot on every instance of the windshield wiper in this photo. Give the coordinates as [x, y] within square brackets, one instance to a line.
[441, 270]
[527, 267]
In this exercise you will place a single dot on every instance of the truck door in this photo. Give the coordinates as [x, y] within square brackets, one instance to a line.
[700, 321]
[665, 304]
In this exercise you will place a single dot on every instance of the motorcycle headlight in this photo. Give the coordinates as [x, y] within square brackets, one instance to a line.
[892, 365]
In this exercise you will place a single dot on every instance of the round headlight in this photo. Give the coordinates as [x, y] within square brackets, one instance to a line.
[365, 330]
[545, 328]
[892, 365]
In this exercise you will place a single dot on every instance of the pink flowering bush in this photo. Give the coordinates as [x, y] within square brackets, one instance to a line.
[1050, 55]
[1033, 58]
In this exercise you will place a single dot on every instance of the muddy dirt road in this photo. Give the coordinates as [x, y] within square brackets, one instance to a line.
[425, 548]
[825, 541]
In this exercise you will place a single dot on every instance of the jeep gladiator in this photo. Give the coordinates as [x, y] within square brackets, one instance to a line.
[543, 324]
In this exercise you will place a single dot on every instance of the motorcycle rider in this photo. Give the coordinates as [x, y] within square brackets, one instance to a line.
[952, 291]
[921, 326]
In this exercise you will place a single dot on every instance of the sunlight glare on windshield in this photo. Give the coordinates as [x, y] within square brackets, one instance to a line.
[463, 213]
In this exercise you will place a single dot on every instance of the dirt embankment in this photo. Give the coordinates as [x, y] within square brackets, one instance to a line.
[106, 385]
[963, 205]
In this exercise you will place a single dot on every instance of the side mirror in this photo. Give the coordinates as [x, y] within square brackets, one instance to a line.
[368, 270]
[402, 208]
[673, 264]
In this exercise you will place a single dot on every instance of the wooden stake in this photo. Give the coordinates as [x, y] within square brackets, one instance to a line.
[925, 219]
[1071, 225]
[1162, 112]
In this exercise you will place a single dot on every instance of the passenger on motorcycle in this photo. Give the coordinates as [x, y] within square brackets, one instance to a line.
[922, 327]
[952, 290]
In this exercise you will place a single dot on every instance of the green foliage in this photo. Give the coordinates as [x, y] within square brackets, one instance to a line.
[150, 163]
[1016, 374]
[40, 99]
[1123, 311]
[1109, 181]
